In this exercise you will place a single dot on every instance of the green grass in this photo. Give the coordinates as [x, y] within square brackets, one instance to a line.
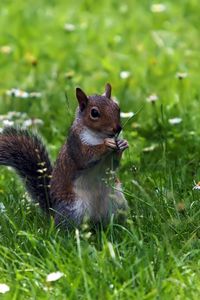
[156, 254]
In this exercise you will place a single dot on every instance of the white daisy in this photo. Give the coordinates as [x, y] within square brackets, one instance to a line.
[54, 276]
[4, 288]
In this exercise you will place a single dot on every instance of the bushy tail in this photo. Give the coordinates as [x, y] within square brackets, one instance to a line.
[26, 153]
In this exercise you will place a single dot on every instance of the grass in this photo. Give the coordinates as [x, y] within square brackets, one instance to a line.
[155, 255]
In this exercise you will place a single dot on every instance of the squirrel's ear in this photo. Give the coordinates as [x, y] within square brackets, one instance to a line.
[82, 99]
[108, 89]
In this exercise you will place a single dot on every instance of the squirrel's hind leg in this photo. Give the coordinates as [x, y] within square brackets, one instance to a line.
[120, 204]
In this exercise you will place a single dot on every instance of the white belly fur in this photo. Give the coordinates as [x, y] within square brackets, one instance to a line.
[96, 199]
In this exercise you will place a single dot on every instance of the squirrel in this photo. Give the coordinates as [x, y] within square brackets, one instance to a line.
[76, 187]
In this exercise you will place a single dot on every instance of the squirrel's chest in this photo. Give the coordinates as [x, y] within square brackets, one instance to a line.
[93, 192]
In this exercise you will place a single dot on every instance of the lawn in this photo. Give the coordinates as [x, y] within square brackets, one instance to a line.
[150, 55]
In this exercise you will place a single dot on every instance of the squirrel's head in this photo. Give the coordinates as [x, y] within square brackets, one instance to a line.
[99, 112]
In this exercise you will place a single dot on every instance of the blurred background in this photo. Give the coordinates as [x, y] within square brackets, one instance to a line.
[140, 47]
[148, 51]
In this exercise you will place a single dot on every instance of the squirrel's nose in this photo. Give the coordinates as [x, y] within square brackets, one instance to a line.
[117, 129]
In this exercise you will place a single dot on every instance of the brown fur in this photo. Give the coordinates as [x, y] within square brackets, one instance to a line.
[109, 111]
[82, 163]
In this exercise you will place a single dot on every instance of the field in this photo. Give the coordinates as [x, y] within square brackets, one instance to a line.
[149, 52]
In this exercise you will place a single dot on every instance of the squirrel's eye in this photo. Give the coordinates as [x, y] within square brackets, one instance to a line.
[94, 113]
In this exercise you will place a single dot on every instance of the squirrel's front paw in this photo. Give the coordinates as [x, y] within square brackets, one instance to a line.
[111, 143]
[122, 145]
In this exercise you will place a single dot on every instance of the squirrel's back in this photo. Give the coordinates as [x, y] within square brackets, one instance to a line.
[25, 152]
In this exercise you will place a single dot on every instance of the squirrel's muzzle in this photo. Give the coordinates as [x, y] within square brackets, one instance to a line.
[117, 129]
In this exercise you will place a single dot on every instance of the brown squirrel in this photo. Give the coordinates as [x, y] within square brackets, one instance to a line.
[77, 186]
